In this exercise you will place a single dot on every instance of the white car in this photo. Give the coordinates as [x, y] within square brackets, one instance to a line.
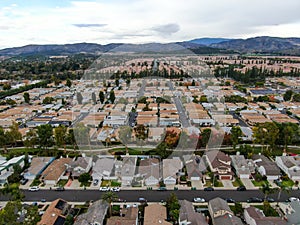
[34, 188]
[104, 189]
[199, 200]
[115, 189]
[294, 199]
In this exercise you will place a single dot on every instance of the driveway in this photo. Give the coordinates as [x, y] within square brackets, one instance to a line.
[248, 184]
[227, 184]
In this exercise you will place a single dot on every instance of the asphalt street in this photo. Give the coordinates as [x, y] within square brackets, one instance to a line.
[151, 196]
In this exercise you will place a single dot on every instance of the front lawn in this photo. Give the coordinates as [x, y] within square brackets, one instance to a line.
[62, 183]
[110, 183]
[287, 183]
[237, 182]
[259, 183]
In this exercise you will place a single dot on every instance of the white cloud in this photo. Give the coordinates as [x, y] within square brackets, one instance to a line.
[138, 21]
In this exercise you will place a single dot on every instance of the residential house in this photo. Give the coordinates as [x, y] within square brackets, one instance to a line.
[37, 166]
[116, 119]
[221, 213]
[290, 165]
[254, 216]
[155, 214]
[95, 214]
[150, 170]
[56, 213]
[103, 168]
[130, 217]
[220, 164]
[171, 167]
[195, 166]
[55, 171]
[266, 167]
[243, 168]
[128, 169]
[79, 166]
[155, 134]
[187, 214]
[6, 167]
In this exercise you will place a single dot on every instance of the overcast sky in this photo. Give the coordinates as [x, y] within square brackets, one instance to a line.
[25, 22]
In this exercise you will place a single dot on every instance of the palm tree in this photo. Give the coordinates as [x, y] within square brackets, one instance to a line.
[266, 189]
[281, 189]
[109, 197]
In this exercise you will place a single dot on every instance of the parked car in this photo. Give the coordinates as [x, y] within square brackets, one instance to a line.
[294, 199]
[43, 200]
[230, 200]
[34, 188]
[241, 188]
[162, 189]
[142, 200]
[209, 189]
[104, 189]
[269, 199]
[115, 189]
[23, 181]
[254, 199]
[59, 188]
[95, 182]
[199, 200]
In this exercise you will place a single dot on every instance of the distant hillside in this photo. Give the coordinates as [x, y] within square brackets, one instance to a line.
[209, 41]
[67, 49]
[271, 45]
[89, 48]
[265, 45]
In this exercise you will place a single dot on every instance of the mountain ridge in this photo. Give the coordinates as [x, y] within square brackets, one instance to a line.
[263, 45]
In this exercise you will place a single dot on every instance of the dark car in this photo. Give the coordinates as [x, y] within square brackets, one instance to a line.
[59, 189]
[95, 182]
[23, 181]
[162, 189]
[209, 189]
[241, 188]
[270, 199]
[254, 199]
[230, 200]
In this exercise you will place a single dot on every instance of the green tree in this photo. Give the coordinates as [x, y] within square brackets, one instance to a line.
[69, 83]
[173, 206]
[3, 139]
[117, 82]
[109, 197]
[266, 133]
[12, 191]
[204, 137]
[26, 97]
[12, 211]
[45, 135]
[13, 134]
[48, 100]
[112, 97]
[288, 95]
[236, 134]
[84, 179]
[16, 175]
[71, 138]
[266, 190]
[30, 138]
[6, 87]
[101, 97]
[60, 135]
